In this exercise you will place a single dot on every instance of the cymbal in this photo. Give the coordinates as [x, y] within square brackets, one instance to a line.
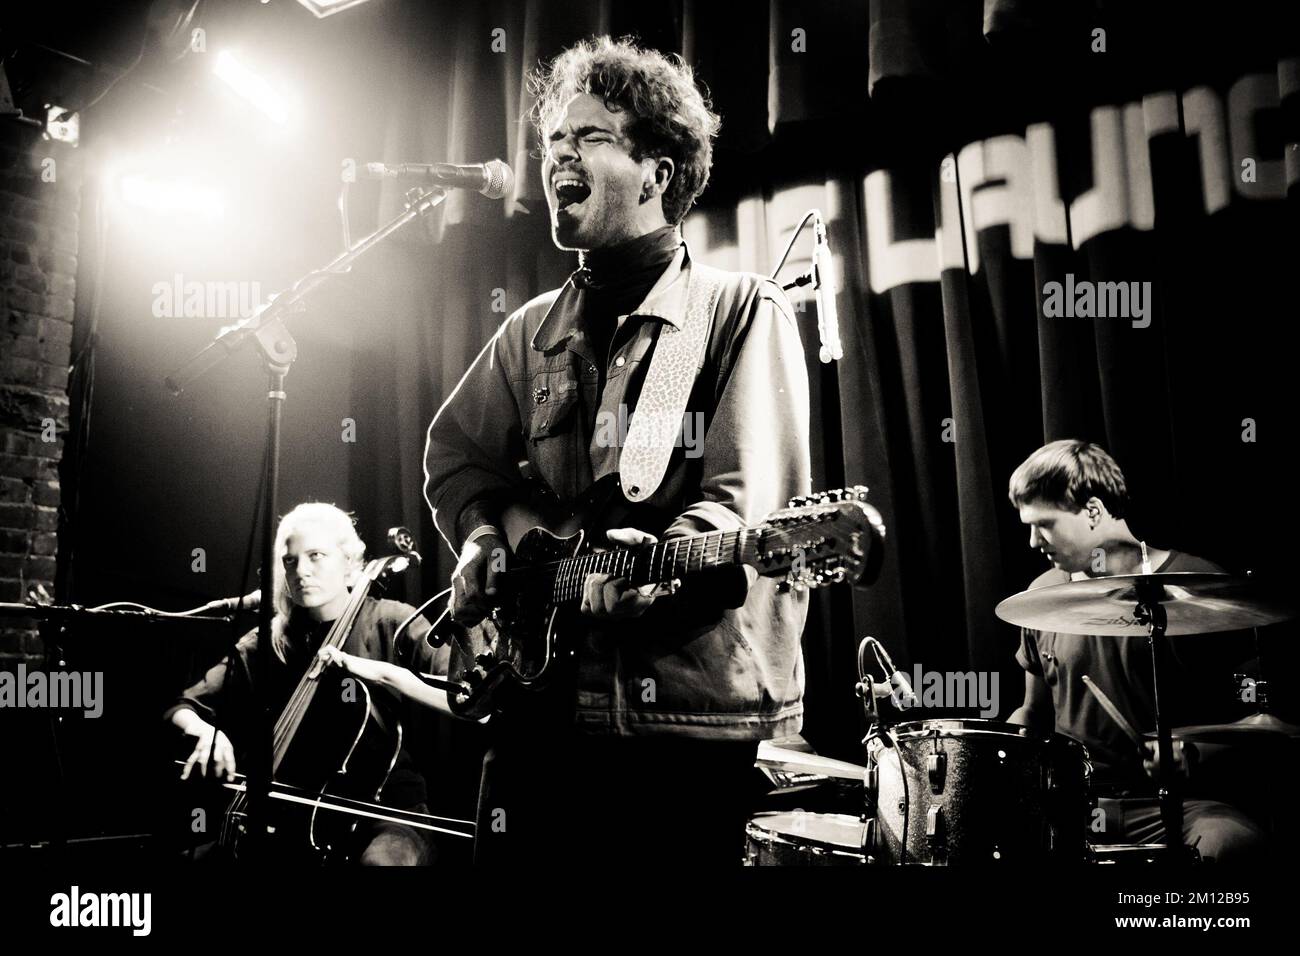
[792, 761]
[1195, 602]
[1257, 728]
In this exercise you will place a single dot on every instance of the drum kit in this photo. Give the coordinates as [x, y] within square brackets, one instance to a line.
[956, 792]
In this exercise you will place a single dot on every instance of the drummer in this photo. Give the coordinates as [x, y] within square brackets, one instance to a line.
[1074, 499]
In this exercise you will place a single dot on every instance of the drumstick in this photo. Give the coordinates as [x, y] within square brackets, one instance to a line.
[1108, 705]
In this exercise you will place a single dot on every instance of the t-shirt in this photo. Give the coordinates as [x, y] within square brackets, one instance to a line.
[225, 696]
[1195, 689]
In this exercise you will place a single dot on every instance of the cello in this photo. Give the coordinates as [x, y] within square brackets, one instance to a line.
[354, 747]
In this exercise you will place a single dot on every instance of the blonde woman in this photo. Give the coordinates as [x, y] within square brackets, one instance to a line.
[319, 556]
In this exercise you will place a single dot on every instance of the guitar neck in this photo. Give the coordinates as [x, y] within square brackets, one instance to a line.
[656, 563]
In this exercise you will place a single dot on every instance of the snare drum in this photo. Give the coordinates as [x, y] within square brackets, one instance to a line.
[978, 791]
[800, 838]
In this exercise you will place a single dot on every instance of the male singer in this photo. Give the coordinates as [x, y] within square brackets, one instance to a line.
[645, 755]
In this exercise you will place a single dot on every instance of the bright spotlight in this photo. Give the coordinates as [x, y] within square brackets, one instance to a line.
[170, 196]
[252, 87]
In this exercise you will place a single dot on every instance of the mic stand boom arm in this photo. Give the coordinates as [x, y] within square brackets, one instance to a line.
[291, 300]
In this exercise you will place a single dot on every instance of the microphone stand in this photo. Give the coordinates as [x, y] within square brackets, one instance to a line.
[876, 728]
[267, 330]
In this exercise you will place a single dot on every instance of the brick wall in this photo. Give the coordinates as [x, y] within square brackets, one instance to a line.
[40, 189]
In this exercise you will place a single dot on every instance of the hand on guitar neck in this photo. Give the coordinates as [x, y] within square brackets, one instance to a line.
[518, 638]
[482, 561]
[610, 596]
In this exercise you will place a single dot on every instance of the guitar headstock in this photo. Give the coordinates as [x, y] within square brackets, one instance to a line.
[823, 538]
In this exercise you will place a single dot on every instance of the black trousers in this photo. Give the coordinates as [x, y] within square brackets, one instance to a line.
[614, 802]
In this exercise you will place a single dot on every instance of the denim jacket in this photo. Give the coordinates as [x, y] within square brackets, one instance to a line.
[533, 395]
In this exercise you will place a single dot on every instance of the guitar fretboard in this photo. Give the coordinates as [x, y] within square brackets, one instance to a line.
[652, 564]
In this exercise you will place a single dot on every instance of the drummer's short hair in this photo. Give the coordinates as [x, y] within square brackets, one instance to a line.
[1067, 473]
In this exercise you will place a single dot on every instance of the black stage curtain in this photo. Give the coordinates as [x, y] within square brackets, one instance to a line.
[966, 155]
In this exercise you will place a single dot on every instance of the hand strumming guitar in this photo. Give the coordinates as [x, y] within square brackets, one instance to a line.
[474, 582]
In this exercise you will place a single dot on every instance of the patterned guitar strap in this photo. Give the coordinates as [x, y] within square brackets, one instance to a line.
[678, 357]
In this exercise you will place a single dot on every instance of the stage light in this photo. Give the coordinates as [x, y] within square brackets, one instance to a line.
[325, 8]
[252, 87]
[169, 196]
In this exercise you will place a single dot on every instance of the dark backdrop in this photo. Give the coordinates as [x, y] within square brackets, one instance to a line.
[951, 372]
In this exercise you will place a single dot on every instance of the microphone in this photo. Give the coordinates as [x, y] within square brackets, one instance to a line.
[828, 323]
[248, 602]
[493, 178]
[902, 694]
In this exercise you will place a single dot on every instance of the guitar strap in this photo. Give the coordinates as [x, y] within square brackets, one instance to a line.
[678, 357]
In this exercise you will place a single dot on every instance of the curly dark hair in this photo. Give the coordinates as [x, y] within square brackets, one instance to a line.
[672, 115]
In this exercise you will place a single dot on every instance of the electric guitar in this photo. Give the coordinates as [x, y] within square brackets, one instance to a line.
[819, 539]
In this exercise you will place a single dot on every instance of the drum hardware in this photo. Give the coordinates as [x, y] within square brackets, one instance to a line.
[878, 730]
[801, 838]
[1161, 604]
[1259, 687]
[1259, 728]
[935, 764]
[1195, 602]
[1007, 795]
[934, 834]
[1255, 729]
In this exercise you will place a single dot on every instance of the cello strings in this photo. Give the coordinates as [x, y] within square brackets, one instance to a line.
[305, 692]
